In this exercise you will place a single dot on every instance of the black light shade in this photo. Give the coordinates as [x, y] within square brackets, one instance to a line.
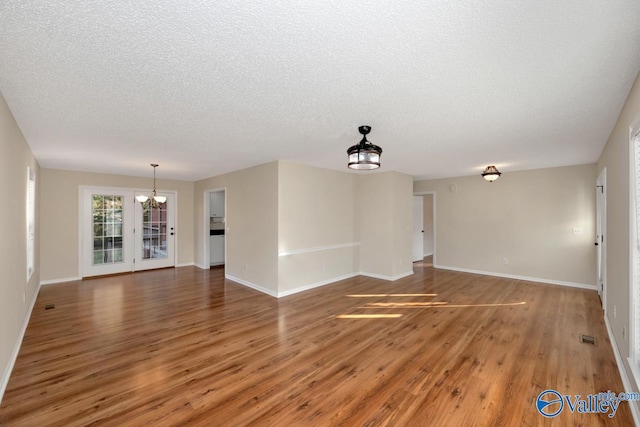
[491, 173]
[365, 155]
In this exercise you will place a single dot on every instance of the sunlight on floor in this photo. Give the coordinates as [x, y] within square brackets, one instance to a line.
[369, 316]
[390, 295]
[434, 304]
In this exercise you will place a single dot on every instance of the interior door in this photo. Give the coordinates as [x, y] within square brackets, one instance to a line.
[418, 229]
[155, 233]
[600, 243]
[106, 231]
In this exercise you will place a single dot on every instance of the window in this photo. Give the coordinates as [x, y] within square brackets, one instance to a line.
[31, 221]
[107, 225]
[635, 253]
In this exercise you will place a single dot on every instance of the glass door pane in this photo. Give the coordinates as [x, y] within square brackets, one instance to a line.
[155, 233]
[154, 226]
[107, 229]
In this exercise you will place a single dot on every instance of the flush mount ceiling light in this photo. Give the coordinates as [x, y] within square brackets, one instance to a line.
[365, 155]
[491, 173]
[155, 199]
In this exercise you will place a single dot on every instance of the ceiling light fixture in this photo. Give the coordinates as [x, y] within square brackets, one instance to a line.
[364, 155]
[155, 199]
[491, 173]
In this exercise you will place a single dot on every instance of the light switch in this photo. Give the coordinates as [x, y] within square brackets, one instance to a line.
[577, 230]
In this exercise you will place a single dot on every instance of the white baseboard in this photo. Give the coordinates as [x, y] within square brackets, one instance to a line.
[252, 285]
[626, 382]
[64, 279]
[202, 266]
[313, 285]
[16, 347]
[389, 278]
[513, 276]
[429, 254]
[185, 264]
[316, 285]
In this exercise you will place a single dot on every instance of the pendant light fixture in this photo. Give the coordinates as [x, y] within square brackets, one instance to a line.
[365, 155]
[155, 199]
[491, 173]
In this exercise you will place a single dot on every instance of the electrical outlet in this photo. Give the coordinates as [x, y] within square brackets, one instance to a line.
[505, 261]
[246, 268]
[624, 333]
[24, 297]
[615, 312]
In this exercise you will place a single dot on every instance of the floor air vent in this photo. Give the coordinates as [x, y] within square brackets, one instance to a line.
[49, 306]
[587, 339]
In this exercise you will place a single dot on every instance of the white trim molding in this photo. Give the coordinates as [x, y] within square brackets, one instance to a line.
[633, 405]
[318, 248]
[186, 264]
[251, 285]
[513, 276]
[4, 381]
[389, 278]
[315, 285]
[62, 280]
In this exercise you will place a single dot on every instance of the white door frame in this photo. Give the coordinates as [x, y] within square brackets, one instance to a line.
[433, 193]
[206, 225]
[130, 221]
[140, 263]
[600, 238]
[84, 230]
[418, 229]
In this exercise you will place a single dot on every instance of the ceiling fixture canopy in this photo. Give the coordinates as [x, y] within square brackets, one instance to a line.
[491, 173]
[155, 199]
[364, 155]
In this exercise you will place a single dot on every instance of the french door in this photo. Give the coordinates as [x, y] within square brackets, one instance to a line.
[119, 234]
[154, 233]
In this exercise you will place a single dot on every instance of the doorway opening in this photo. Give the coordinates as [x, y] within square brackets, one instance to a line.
[215, 228]
[424, 238]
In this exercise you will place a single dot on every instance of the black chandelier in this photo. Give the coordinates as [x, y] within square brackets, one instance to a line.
[364, 155]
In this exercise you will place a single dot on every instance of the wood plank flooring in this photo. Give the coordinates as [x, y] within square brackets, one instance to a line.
[186, 347]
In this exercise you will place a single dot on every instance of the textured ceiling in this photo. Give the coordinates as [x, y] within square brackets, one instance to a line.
[207, 87]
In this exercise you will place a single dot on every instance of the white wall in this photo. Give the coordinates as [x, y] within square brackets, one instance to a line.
[316, 213]
[320, 215]
[16, 292]
[252, 225]
[384, 224]
[527, 217]
[615, 157]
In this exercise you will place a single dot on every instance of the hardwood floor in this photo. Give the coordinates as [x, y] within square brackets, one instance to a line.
[187, 347]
